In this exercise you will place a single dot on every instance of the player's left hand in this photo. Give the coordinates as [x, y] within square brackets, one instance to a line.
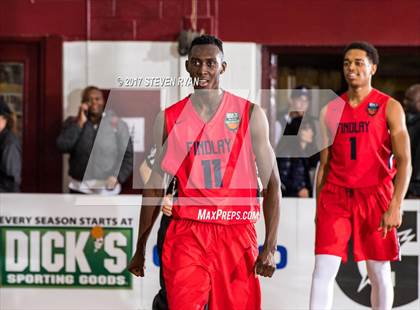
[391, 218]
[265, 264]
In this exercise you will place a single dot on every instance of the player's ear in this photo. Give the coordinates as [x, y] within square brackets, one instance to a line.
[186, 65]
[224, 66]
[374, 67]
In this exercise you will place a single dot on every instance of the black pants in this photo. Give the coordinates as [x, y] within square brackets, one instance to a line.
[160, 302]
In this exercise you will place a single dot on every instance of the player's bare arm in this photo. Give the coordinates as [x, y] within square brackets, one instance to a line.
[152, 194]
[324, 156]
[401, 149]
[268, 172]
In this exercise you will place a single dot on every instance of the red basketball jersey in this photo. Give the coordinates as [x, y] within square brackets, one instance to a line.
[361, 150]
[213, 161]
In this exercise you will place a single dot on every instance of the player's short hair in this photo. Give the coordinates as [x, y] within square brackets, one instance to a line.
[371, 51]
[206, 39]
[86, 92]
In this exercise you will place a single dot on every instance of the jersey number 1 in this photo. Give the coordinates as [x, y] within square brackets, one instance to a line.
[353, 148]
[207, 167]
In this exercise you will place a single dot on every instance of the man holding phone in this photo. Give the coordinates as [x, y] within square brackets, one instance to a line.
[101, 158]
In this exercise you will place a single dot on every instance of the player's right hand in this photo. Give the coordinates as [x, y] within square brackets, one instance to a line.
[167, 205]
[136, 265]
[265, 264]
[392, 218]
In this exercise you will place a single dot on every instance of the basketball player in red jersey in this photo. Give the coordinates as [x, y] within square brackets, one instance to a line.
[214, 143]
[356, 194]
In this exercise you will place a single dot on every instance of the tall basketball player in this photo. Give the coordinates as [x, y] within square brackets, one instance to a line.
[214, 143]
[359, 189]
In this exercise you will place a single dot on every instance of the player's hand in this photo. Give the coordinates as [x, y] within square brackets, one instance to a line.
[136, 265]
[265, 264]
[391, 218]
[167, 202]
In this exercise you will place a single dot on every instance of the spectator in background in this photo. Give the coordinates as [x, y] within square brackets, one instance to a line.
[290, 120]
[412, 105]
[10, 151]
[296, 173]
[104, 174]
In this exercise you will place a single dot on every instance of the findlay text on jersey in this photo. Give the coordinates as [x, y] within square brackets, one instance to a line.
[208, 147]
[353, 127]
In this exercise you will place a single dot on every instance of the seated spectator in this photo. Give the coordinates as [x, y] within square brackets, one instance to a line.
[295, 172]
[100, 167]
[412, 105]
[288, 122]
[10, 152]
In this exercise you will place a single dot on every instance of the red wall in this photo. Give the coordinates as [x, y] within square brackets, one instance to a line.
[276, 22]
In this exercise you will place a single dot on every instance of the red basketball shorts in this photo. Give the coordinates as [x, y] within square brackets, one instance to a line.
[211, 264]
[343, 212]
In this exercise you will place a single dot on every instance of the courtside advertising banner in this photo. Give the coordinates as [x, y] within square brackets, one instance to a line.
[71, 252]
[64, 252]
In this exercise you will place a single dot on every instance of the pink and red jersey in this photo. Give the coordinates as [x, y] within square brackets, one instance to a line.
[361, 150]
[213, 161]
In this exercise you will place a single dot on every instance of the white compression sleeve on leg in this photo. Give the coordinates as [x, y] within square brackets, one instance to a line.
[322, 289]
[382, 295]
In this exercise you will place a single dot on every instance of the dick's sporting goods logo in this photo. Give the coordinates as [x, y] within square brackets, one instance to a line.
[65, 256]
[353, 280]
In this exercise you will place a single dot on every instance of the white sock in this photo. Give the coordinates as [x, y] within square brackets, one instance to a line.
[322, 289]
[382, 296]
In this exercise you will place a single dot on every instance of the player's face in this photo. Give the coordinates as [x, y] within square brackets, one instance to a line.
[358, 69]
[206, 64]
[96, 102]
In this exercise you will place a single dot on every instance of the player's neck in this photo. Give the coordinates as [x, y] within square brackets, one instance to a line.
[206, 102]
[358, 94]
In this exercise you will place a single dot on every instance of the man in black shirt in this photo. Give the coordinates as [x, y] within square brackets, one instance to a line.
[100, 169]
